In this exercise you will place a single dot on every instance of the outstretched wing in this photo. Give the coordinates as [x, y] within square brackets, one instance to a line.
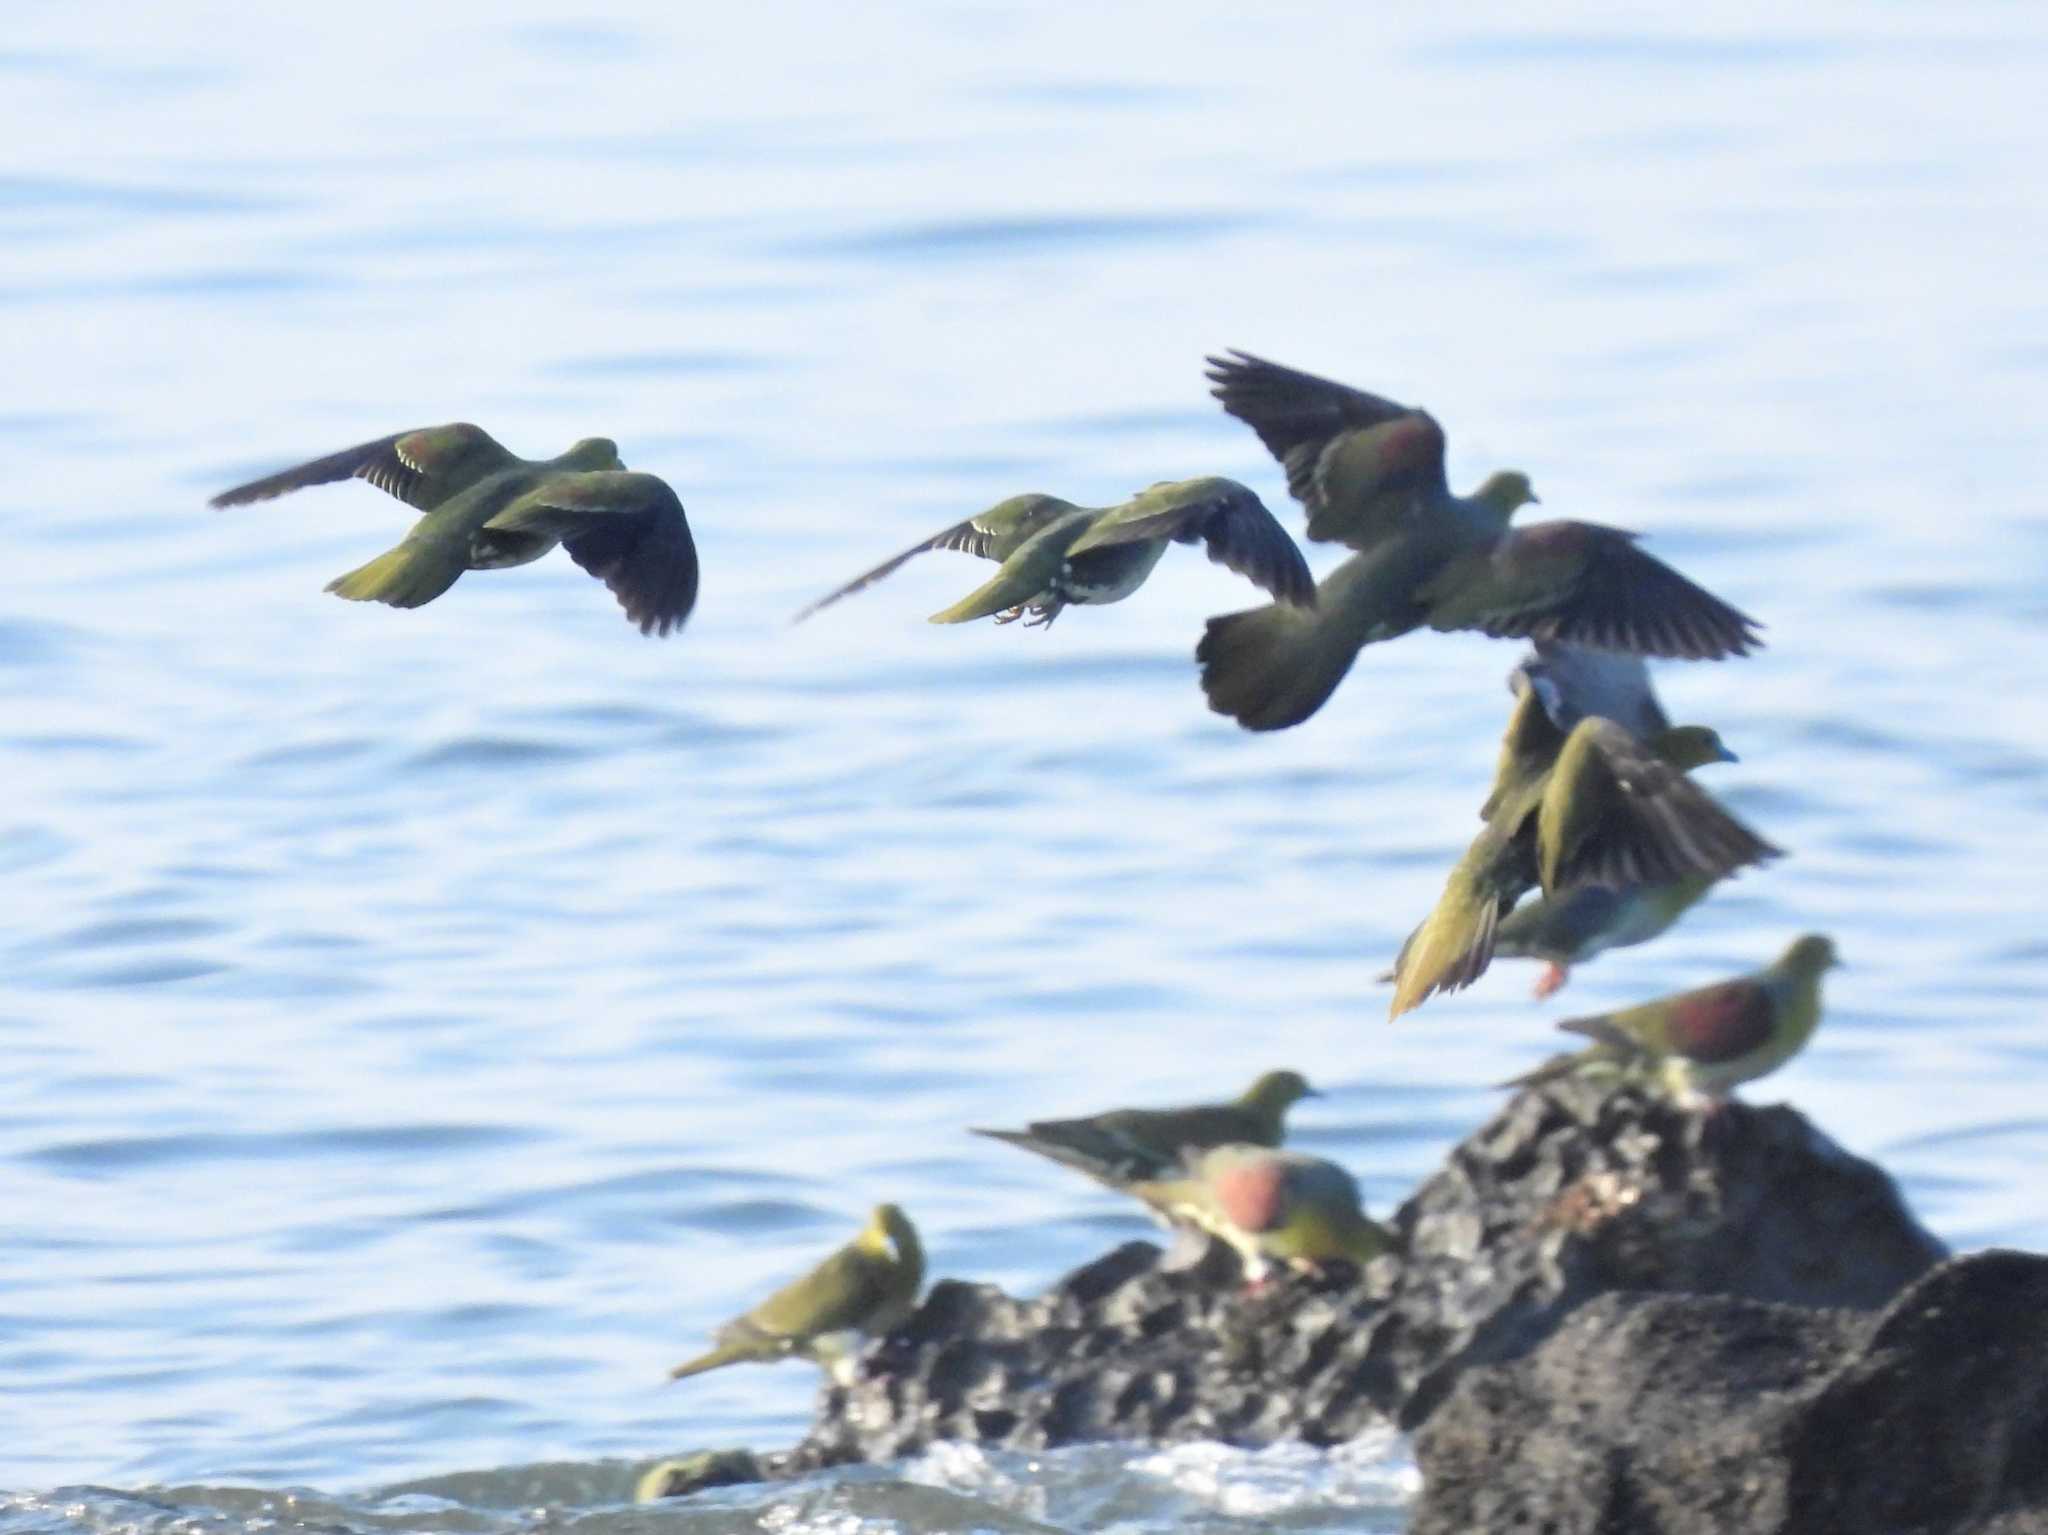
[1027, 573]
[625, 528]
[422, 468]
[1240, 533]
[1587, 585]
[991, 535]
[1363, 466]
[1615, 813]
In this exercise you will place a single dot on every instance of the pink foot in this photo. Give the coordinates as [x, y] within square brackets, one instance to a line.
[1552, 979]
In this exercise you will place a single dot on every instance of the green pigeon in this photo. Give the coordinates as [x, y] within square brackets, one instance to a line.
[683, 1475]
[860, 1292]
[1371, 475]
[1270, 1207]
[1572, 926]
[1592, 806]
[1573, 682]
[486, 509]
[1125, 1146]
[1054, 554]
[1700, 1045]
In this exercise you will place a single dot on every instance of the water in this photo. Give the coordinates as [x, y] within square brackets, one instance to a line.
[423, 1027]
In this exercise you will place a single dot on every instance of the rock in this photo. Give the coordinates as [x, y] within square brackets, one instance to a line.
[1570, 1192]
[1687, 1414]
[1574, 1190]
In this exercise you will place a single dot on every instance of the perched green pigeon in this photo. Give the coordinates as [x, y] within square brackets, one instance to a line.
[860, 1292]
[1125, 1146]
[1270, 1207]
[1701, 1044]
[1054, 554]
[1594, 806]
[486, 509]
[686, 1474]
[1371, 475]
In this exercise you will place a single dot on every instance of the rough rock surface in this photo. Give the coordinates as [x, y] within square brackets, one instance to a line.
[1698, 1415]
[1571, 1192]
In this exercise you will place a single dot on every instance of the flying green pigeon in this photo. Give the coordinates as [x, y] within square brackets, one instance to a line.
[1573, 682]
[1371, 475]
[486, 509]
[860, 1292]
[1701, 1044]
[1054, 554]
[1125, 1146]
[1595, 806]
[1572, 926]
[1269, 1206]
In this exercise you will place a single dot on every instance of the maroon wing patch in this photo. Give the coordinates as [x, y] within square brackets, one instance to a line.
[1720, 1023]
[1251, 1196]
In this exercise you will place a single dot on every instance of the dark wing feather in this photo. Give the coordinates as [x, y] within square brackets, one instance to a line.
[1615, 813]
[1589, 585]
[625, 528]
[422, 468]
[963, 536]
[1243, 536]
[995, 534]
[1234, 524]
[1363, 466]
[1129, 1146]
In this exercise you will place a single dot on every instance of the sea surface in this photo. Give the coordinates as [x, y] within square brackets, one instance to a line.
[422, 1027]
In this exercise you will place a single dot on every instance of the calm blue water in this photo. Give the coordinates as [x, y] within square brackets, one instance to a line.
[423, 1026]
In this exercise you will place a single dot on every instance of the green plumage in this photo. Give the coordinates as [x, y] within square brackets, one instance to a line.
[1125, 1146]
[1053, 554]
[861, 1291]
[1592, 806]
[1701, 1044]
[1573, 926]
[685, 1474]
[1370, 474]
[1269, 1207]
[487, 509]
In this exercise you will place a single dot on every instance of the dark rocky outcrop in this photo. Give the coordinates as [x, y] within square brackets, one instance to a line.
[1569, 1193]
[1605, 1314]
[1697, 1415]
